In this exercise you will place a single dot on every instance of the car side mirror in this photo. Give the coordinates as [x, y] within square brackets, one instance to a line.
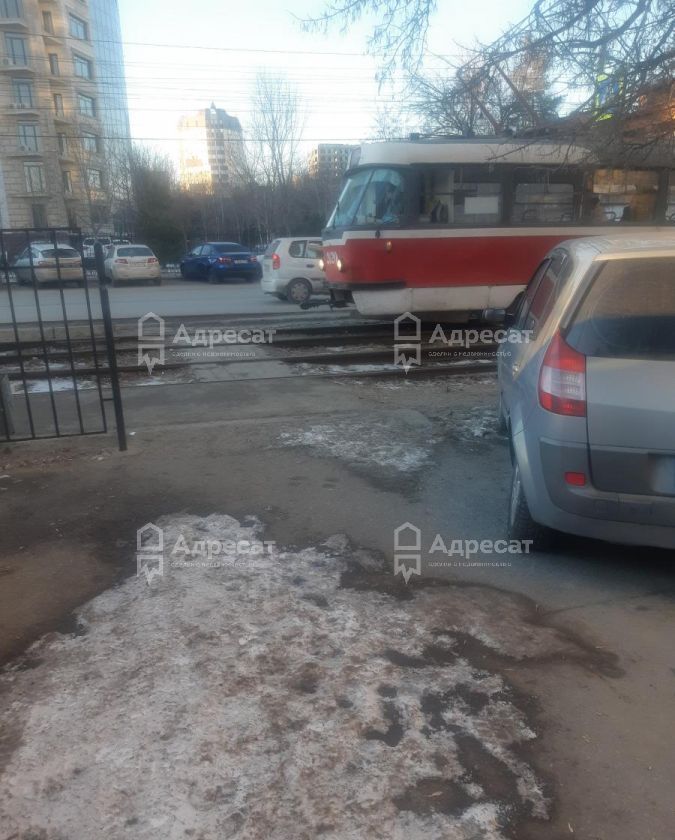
[495, 316]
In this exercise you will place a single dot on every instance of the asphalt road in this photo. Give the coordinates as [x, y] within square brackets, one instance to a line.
[174, 297]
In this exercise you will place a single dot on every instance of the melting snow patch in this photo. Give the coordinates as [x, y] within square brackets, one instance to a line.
[256, 700]
[401, 446]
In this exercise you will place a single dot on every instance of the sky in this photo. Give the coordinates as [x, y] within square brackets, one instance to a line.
[177, 64]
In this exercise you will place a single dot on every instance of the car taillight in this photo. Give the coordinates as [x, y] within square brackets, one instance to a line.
[224, 260]
[121, 261]
[276, 261]
[562, 379]
[152, 259]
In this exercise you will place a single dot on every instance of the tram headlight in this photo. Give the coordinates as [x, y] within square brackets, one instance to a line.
[340, 265]
[322, 265]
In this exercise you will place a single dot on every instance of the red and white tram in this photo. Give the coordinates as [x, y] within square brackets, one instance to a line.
[449, 228]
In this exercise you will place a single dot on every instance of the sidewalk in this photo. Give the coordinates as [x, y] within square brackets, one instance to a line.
[575, 640]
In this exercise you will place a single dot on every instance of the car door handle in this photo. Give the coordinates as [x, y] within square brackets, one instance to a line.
[309, 265]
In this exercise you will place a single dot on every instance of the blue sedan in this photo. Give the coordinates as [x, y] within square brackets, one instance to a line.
[219, 261]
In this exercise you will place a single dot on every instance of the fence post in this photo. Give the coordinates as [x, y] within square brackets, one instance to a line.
[110, 347]
[6, 420]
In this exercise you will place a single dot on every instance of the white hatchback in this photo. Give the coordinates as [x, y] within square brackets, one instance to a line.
[131, 262]
[291, 269]
[43, 263]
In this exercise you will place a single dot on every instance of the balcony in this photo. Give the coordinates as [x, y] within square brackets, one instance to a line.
[14, 24]
[21, 67]
[15, 109]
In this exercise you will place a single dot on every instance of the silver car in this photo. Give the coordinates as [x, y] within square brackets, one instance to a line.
[587, 384]
[43, 263]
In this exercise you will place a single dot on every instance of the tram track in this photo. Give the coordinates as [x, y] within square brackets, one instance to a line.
[345, 350]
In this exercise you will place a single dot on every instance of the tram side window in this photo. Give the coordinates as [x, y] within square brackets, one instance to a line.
[477, 204]
[543, 203]
[457, 197]
[383, 199]
[621, 195]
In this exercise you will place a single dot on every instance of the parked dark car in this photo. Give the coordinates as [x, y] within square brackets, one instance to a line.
[220, 261]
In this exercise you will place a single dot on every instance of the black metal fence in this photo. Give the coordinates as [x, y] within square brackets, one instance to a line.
[57, 352]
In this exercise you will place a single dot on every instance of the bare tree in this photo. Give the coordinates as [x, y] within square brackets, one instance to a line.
[399, 36]
[605, 62]
[276, 128]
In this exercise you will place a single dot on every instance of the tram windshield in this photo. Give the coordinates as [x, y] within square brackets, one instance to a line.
[370, 197]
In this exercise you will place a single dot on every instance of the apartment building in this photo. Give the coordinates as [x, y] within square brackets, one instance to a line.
[210, 150]
[329, 160]
[52, 155]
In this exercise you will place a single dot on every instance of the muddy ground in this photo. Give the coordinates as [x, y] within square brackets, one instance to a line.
[527, 700]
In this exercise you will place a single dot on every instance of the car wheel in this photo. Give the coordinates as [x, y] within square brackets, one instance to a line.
[212, 278]
[521, 526]
[158, 281]
[298, 291]
[183, 272]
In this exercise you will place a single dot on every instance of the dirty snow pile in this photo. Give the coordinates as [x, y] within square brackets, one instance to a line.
[261, 700]
[402, 442]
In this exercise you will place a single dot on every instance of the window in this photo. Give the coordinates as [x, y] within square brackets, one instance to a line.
[86, 105]
[28, 137]
[23, 93]
[314, 251]
[544, 291]
[297, 248]
[63, 143]
[54, 64]
[77, 28]
[621, 195]
[58, 104]
[89, 142]
[39, 212]
[48, 23]
[382, 200]
[35, 177]
[349, 199]
[17, 50]
[475, 203]
[629, 311]
[459, 196]
[134, 251]
[82, 67]
[67, 182]
[543, 203]
[95, 179]
[225, 248]
[10, 9]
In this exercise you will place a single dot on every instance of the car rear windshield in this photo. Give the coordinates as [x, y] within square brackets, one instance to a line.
[272, 247]
[62, 253]
[629, 311]
[227, 247]
[135, 251]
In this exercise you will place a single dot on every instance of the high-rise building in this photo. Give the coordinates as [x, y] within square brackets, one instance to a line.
[56, 101]
[329, 160]
[210, 149]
